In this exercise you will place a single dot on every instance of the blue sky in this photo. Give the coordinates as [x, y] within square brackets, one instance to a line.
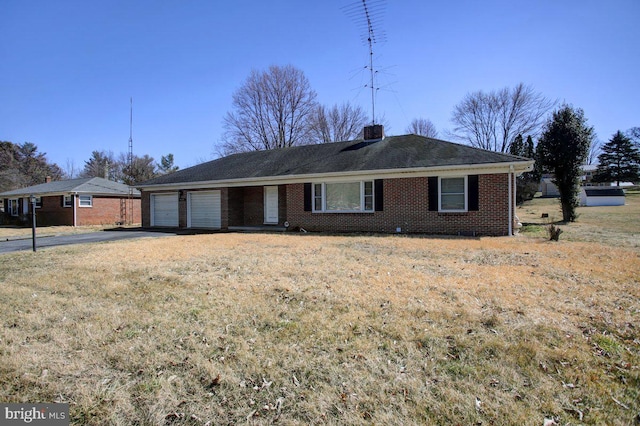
[69, 68]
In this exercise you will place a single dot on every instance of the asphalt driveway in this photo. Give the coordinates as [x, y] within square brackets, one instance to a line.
[92, 237]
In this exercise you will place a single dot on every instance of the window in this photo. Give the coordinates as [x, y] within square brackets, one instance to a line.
[85, 201]
[343, 197]
[13, 207]
[368, 196]
[38, 202]
[453, 194]
[67, 201]
[317, 197]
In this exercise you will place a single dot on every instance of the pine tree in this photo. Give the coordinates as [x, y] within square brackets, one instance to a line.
[527, 183]
[166, 165]
[619, 161]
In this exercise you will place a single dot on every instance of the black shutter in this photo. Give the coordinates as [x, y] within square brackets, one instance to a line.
[378, 195]
[472, 194]
[62, 201]
[433, 194]
[307, 197]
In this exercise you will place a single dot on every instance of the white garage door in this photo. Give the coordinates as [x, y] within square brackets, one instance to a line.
[204, 210]
[164, 210]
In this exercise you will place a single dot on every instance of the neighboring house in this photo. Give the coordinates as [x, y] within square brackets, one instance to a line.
[549, 189]
[601, 196]
[407, 184]
[75, 202]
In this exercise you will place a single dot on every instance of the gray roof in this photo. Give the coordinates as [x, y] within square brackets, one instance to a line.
[390, 153]
[93, 186]
[603, 191]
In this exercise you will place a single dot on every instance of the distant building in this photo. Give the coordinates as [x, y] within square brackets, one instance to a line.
[601, 196]
[549, 189]
[74, 202]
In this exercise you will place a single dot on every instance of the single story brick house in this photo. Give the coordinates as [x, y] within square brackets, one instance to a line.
[396, 184]
[74, 202]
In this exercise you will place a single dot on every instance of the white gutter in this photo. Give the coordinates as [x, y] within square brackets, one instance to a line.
[488, 168]
[510, 200]
[74, 200]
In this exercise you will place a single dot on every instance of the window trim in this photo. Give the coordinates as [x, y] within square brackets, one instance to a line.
[64, 201]
[465, 194]
[323, 197]
[80, 197]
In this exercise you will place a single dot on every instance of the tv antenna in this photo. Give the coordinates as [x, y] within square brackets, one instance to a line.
[368, 15]
[129, 209]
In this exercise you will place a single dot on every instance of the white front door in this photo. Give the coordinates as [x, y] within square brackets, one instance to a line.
[271, 204]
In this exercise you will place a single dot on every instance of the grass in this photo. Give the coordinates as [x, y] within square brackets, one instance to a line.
[615, 225]
[10, 232]
[308, 329]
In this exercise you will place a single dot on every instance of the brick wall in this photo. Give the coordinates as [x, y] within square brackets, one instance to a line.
[406, 207]
[52, 213]
[405, 202]
[235, 202]
[105, 211]
[145, 201]
[253, 206]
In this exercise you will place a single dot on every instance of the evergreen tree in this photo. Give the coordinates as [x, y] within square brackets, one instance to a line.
[527, 183]
[22, 165]
[517, 146]
[619, 161]
[562, 150]
[102, 164]
[166, 165]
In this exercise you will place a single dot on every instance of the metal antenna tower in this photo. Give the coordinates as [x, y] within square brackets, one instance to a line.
[368, 15]
[129, 210]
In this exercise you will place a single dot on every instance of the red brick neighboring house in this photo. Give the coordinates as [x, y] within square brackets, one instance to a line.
[397, 184]
[74, 202]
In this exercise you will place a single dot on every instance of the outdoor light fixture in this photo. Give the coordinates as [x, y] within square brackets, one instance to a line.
[32, 198]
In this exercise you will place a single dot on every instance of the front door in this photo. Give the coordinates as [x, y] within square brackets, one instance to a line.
[271, 204]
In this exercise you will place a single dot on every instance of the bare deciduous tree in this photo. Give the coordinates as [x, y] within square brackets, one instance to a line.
[594, 151]
[492, 120]
[70, 170]
[338, 123]
[271, 110]
[634, 134]
[422, 127]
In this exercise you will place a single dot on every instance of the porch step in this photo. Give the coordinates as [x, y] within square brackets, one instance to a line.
[265, 228]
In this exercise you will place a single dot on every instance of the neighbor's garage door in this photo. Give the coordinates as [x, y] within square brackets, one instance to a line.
[164, 210]
[204, 210]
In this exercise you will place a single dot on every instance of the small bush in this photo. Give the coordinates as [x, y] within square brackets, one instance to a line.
[554, 232]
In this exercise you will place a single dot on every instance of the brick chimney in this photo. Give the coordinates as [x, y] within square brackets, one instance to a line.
[374, 132]
[47, 179]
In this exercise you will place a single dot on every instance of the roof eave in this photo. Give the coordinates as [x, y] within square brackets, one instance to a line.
[519, 167]
[58, 193]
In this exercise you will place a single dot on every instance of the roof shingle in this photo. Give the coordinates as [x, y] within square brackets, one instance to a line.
[94, 186]
[390, 153]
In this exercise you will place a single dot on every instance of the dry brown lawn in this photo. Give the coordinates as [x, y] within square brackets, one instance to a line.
[306, 329]
[10, 232]
[617, 225]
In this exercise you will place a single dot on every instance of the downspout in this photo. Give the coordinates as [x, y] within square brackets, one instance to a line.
[510, 200]
[73, 201]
